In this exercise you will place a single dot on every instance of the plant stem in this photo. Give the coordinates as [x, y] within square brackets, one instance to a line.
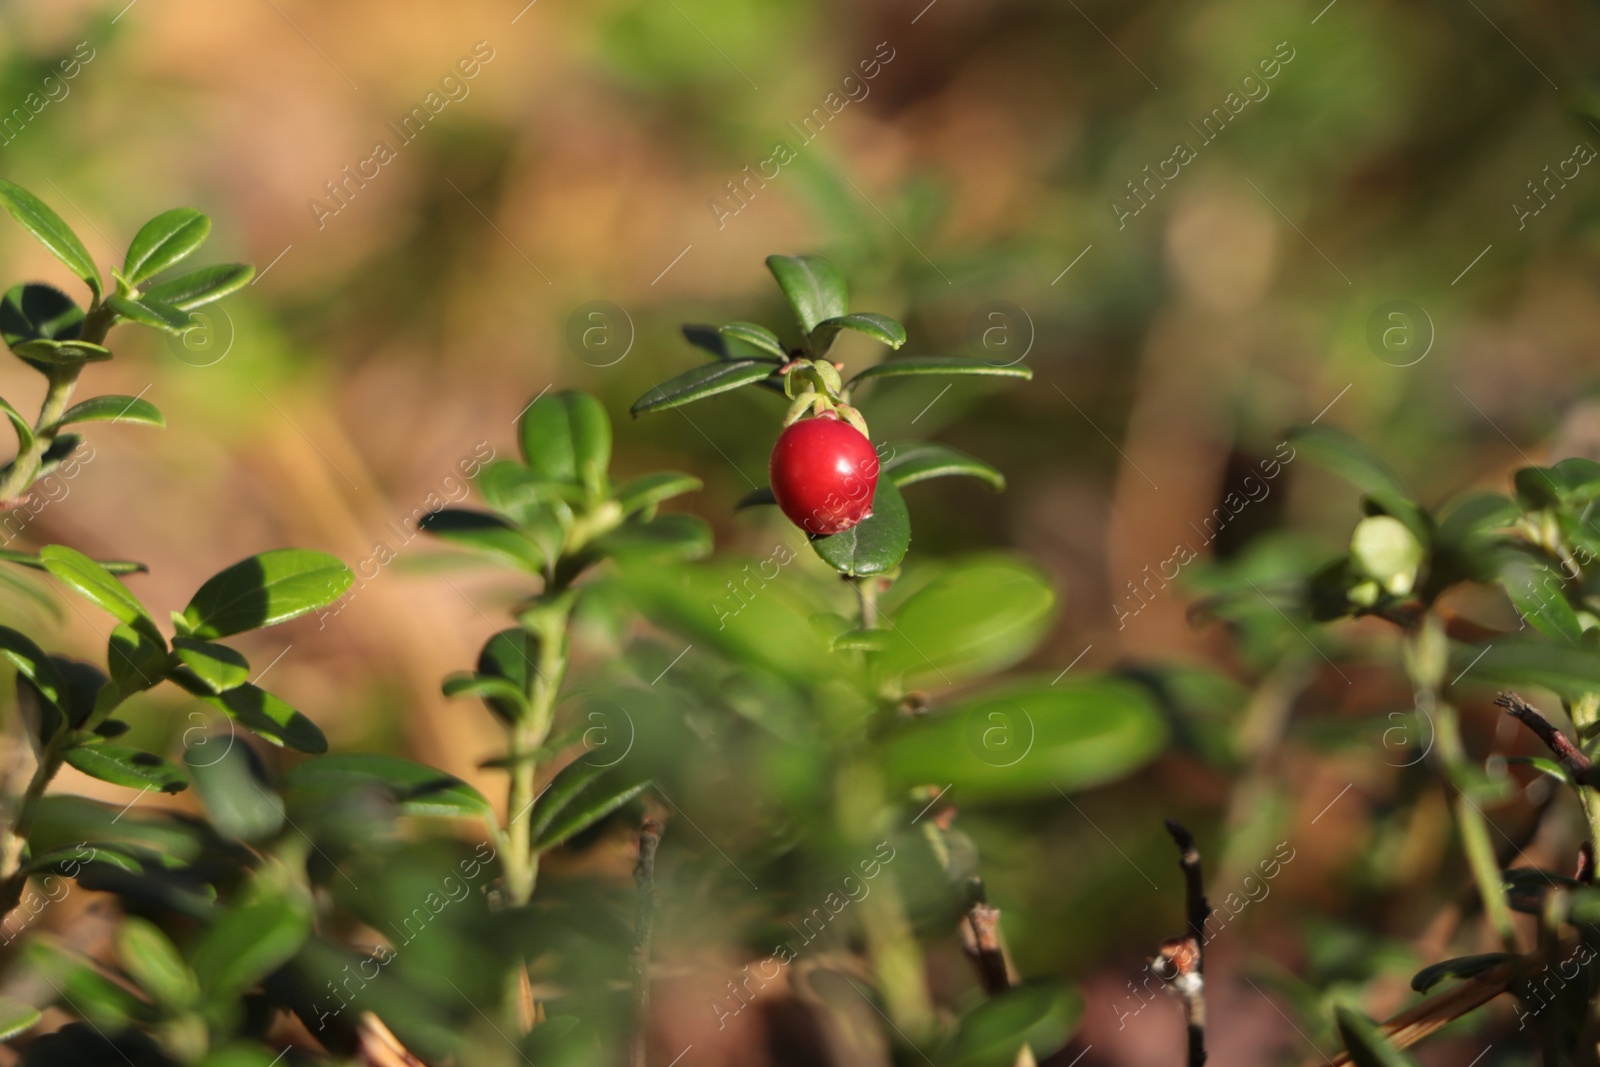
[19, 479]
[1474, 828]
[12, 878]
[547, 621]
[867, 592]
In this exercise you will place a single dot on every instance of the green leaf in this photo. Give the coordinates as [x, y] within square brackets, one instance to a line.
[127, 766]
[920, 460]
[876, 544]
[1365, 1042]
[264, 714]
[32, 663]
[418, 789]
[880, 328]
[234, 787]
[248, 943]
[644, 493]
[945, 365]
[46, 352]
[1030, 740]
[113, 408]
[487, 535]
[148, 311]
[265, 590]
[16, 1017]
[1539, 592]
[757, 337]
[216, 667]
[974, 619]
[486, 687]
[201, 287]
[708, 379]
[1041, 1016]
[756, 498]
[99, 585]
[24, 428]
[1544, 766]
[814, 288]
[566, 437]
[38, 219]
[1569, 671]
[728, 346]
[1460, 967]
[34, 312]
[163, 241]
[512, 655]
[137, 659]
[1360, 466]
[151, 958]
[581, 808]
[112, 566]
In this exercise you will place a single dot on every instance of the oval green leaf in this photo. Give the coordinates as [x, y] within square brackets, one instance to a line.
[16, 1017]
[1030, 740]
[418, 789]
[706, 380]
[267, 716]
[918, 461]
[874, 545]
[973, 619]
[77, 570]
[566, 437]
[127, 766]
[946, 365]
[649, 490]
[112, 408]
[152, 960]
[813, 287]
[1040, 1016]
[38, 219]
[757, 337]
[880, 328]
[217, 667]
[148, 311]
[234, 787]
[1460, 967]
[486, 534]
[45, 351]
[264, 590]
[201, 287]
[164, 241]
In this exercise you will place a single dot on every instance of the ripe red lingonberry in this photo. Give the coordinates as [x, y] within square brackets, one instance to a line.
[824, 474]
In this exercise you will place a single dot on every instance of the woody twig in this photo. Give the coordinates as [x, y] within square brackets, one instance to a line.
[1181, 962]
[983, 944]
[1571, 758]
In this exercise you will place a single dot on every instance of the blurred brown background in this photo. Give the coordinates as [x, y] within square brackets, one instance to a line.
[988, 168]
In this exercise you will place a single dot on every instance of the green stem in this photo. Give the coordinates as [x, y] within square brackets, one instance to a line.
[1474, 828]
[15, 839]
[867, 592]
[19, 478]
[547, 621]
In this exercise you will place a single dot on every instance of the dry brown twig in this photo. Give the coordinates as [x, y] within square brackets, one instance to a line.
[984, 945]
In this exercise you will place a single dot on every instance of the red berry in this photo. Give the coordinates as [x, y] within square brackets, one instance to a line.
[824, 475]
